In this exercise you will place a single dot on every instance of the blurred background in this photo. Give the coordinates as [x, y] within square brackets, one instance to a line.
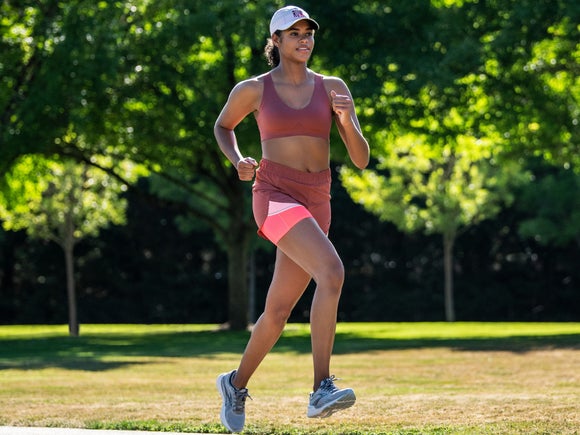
[117, 206]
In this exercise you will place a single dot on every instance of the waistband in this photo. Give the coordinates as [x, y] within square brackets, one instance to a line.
[280, 170]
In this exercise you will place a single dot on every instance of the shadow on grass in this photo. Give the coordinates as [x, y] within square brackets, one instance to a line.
[351, 343]
[102, 352]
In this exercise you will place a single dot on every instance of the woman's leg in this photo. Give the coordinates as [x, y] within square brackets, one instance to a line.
[307, 246]
[288, 284]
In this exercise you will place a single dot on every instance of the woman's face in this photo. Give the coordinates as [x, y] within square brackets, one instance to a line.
[297, 42]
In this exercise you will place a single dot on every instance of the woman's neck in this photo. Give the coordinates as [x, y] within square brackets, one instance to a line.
[295, 74]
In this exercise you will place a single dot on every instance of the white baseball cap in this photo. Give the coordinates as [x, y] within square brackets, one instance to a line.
[284, 18]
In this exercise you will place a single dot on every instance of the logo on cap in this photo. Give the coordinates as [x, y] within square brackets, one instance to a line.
[287, 16]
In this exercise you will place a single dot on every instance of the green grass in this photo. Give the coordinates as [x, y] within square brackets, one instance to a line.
[410, 378]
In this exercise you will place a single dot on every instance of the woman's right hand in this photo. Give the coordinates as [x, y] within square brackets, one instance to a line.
[246, 168]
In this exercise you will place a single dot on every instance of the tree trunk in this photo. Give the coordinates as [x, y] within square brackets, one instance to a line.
[252, 287]
[448, 242]
[68, 247]
[236, 238]
[238, 256]
[73, 325]
[241, 229]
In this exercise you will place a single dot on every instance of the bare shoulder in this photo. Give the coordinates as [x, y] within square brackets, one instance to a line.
[249, 88]
[247, 94]
[333, 83]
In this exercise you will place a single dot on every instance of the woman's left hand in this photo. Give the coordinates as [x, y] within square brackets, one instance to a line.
[343, 106]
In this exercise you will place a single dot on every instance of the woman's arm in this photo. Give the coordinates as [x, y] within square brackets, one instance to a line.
[347, 123]
[242, 101]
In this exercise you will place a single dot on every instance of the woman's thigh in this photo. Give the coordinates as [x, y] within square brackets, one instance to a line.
[288, 284]
[307, 246]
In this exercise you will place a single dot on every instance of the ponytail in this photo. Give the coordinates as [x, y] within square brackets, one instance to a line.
[271, 52]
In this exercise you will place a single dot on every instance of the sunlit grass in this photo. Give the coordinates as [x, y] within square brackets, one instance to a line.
[410, 378]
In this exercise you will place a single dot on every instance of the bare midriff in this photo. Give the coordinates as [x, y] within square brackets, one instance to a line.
[303, 153]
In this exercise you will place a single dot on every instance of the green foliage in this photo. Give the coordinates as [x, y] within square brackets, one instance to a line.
[61, 201]
[145, 80]
[531, 60]
[435, 188]
[555, 200]
[467, 90]
[443, 170]
[140, 81]
[446, 161]
[47, 197]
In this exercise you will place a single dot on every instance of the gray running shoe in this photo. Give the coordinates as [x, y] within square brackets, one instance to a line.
[233, 413]
[328, 399]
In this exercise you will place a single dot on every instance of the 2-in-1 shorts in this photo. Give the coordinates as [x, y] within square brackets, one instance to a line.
[283, 196]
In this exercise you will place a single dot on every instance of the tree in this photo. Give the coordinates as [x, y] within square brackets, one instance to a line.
[481, 86]
[552, 206]
[531, 61]
[437, 186]
[61, 201]
[144, 81]
[140, 81]
[164, 104]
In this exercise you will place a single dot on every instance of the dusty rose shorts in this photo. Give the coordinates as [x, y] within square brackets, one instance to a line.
[283, 196]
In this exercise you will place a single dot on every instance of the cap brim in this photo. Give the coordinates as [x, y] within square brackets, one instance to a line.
[315, 25]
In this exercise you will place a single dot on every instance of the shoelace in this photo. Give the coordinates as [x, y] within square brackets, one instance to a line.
[328, 384]
[240, 400]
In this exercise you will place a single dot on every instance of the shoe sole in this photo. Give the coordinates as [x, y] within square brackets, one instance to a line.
[219, 385]
[341, 403]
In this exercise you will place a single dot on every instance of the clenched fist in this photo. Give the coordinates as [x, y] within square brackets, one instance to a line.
[246, 168]
[342, 105]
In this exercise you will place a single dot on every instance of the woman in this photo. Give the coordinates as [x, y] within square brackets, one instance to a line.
[294, 108]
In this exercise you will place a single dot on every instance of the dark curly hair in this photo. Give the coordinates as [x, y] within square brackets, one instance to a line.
[271, 51]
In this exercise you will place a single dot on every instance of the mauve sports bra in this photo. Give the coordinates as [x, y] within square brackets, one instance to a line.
[276, 119]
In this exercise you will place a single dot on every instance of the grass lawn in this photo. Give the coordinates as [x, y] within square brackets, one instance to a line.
[410, 378]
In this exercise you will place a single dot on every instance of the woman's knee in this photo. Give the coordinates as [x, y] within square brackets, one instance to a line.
[277, 316]
[332, 275]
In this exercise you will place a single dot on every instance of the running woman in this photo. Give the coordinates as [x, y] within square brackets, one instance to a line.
[294, 108]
